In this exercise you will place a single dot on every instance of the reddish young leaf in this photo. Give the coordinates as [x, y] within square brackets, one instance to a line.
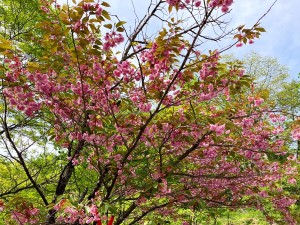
[111, 220]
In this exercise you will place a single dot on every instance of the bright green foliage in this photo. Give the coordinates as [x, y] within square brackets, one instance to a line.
[288, 98]
[18, 19]
[268, 74]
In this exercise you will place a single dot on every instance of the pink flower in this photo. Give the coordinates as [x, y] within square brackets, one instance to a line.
[296, 134]
[292, 180]
[240, 44]
[33, 211]
[12, 101]
[225, 8]
[198, 3]
[75, 162]
[248, 122]
[258, 102]
[106, 46]
[118, 38]
[94, 210]
[29, 112]
[86, 6]
[219, 129]
[25, 216]
[99, 11]
[89, 220]
[45, 9]
[145, 107]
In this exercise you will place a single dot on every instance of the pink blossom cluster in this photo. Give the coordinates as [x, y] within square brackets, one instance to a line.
[70, 214]
[277, 118]
[248, 122]
[224, 4]
[284, 202]
[25, 215]
[125, 70]
[112, 39]
[98, 10]
[21, 96]
[22, 99]
[296, 133]
[219, 129]
[240, 44]
[257, 101]
[209, 68]
[93, 7]
[181, 3]
[45, 9]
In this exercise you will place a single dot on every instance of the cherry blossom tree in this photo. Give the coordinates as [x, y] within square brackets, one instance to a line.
[155, 123]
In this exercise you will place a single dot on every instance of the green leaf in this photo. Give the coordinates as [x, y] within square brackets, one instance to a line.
[120, 23]
[85, 19]
[120, 29]
[109, 26]
[261, 29]
[5, 45]
[106, 15]
[105, 4]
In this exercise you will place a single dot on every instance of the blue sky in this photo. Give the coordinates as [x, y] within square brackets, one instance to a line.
[282, 39]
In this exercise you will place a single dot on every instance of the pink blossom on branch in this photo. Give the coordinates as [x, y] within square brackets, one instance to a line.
[296, 133]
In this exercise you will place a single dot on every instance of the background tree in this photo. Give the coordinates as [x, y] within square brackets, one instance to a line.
[156, 130]
[18, 21]
[268, 74]
[287, 101]
[18, 18]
